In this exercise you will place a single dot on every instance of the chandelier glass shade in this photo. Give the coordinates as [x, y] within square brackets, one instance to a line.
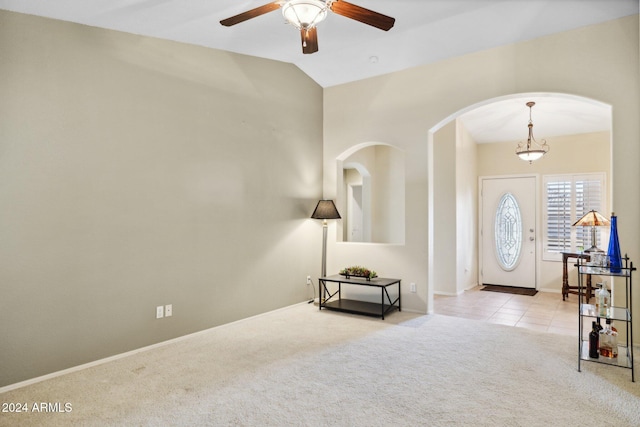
[304, 14]
[531, 150]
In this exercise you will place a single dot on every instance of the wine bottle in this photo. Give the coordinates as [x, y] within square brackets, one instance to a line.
[593, 341]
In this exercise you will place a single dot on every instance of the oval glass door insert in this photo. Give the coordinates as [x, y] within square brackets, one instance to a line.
[508, 232]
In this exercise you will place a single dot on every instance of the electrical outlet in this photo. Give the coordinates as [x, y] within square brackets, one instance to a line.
[412, 287]
[308, 280]
[168, 310]
[159, 312]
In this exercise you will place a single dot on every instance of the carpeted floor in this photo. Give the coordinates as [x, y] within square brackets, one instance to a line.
[509, 290]
[303, 367]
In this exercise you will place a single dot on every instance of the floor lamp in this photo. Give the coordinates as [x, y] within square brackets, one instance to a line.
[325, 209]
[592, 219]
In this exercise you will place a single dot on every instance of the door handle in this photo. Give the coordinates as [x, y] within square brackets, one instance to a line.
[532, 238]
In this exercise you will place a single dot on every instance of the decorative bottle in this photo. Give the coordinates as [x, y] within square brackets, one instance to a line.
[603, 300]
[614, 340]
[593, 341]
[615, 259]
[608, 341]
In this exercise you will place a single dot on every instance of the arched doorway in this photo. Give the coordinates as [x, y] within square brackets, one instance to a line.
[449, 142]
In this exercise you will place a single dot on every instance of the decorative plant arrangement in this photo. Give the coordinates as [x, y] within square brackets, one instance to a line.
[357, 271]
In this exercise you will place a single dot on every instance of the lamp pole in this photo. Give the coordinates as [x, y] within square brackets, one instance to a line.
[324, 247]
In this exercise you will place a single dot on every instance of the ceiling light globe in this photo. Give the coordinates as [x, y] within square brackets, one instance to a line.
[531, 155]
[304, 14]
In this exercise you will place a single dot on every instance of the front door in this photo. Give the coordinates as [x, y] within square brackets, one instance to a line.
[508, 232]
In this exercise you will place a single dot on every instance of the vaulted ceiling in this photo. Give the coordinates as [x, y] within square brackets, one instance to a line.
[425, 31]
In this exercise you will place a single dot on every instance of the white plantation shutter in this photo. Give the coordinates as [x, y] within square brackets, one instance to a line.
[567, 199]
[558, 233]
[588, 197]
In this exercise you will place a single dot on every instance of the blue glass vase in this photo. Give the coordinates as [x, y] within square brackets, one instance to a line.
[615, 258]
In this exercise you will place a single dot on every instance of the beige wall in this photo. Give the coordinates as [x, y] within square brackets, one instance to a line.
[444, 195]
[599, 62]
[590, 152]
[466, 209]
[136, 172]
[455, 194]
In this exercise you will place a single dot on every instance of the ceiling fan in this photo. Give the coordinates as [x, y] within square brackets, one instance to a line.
[306, 14]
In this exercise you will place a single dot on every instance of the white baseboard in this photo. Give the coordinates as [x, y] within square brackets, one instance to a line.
[551, 291]
[447, 294]
[454, 294]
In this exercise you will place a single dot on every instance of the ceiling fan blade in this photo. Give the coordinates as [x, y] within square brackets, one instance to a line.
[309, 40]
[363, 15]
[261, 10]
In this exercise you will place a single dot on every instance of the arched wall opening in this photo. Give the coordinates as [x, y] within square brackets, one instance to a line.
[371, 194]
[454, 164]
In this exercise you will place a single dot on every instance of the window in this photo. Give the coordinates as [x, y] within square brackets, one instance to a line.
[508, 230]
[567, 199]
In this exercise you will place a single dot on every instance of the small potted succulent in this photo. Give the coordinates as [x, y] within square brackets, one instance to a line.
[357, 271]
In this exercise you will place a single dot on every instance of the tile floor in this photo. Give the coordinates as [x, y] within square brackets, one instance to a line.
[543, 312]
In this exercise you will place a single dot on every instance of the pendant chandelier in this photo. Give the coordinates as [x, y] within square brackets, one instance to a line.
[532, 150]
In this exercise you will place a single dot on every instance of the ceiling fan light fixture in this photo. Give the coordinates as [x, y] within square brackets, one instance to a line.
[304, 14]
[531, 150]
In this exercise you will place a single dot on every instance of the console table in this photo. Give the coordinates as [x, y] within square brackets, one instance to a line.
[385, 305]
[566, 289]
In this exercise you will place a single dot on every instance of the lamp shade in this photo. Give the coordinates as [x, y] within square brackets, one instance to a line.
[592, 219]
[325, 209]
